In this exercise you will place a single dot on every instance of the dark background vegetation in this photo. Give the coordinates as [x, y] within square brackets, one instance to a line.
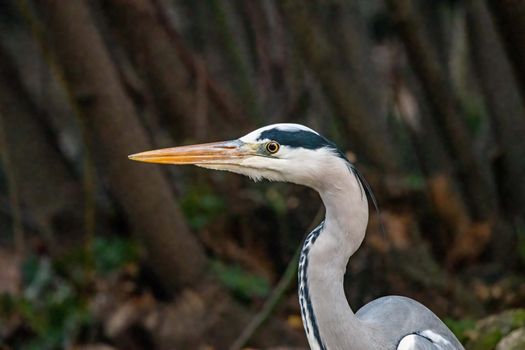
[98, 252]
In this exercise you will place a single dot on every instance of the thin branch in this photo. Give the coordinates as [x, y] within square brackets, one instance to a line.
[344, 95]
[88, 176]
[445, 108]
[510, 20]
[220, 98]
[12, 188]
[277, 293]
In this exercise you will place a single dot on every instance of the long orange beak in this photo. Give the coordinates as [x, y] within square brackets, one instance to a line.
[207, 153]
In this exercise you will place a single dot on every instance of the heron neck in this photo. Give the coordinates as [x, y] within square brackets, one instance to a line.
[342, 233]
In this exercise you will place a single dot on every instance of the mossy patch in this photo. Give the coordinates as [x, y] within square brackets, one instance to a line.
[491, 330]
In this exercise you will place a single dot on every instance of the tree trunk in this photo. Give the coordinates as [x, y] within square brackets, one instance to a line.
[358, 121]
[433, 158]
[47, 187]
[156, 59]
[445, 109]
[510, 20]
[355, 52]
[224, 102]
[112, 123]
[232, 36]
[503, 101]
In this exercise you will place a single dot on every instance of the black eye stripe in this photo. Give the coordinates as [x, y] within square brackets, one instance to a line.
[299, 139]
[296, 138]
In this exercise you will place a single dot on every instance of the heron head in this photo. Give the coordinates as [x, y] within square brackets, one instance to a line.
[279, 152]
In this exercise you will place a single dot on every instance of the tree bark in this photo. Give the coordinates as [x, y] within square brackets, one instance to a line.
[112, 123]
[223, 101]
[355, 52]
[510, 20]
[361, 125]
[445, 109]
[232, 36]
[154, 56]
[47, 186]
[433, 158]
[503, 101]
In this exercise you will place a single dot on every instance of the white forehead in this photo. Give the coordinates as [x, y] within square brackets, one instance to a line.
[254, 135]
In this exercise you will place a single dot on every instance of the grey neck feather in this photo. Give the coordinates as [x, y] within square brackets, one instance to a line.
[329, 321]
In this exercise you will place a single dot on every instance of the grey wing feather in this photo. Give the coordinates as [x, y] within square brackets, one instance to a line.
[417, 342]
[404, 321]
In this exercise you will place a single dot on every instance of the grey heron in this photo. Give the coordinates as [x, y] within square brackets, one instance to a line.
[297, 154]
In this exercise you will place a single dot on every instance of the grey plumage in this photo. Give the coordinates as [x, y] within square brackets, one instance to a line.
[399, 317]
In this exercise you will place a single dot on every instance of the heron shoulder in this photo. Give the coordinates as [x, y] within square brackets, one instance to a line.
[398, 315]
[393, 305]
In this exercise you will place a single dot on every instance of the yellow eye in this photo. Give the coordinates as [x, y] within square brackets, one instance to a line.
[272, 147]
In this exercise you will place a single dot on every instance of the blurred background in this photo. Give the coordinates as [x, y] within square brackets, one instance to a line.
[97, 252]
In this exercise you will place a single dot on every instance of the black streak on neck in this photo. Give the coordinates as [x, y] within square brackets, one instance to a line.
[305, 293]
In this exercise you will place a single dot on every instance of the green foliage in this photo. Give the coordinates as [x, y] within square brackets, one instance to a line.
[474, 111]
[53, 304]
[415, 181]
[520, 232]
[460, 327]
[243, 284]
[112, 253]
[489, 340]
[518, 318]
[49, 306]
[489, 331]
[276, 200]
[201, 205]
